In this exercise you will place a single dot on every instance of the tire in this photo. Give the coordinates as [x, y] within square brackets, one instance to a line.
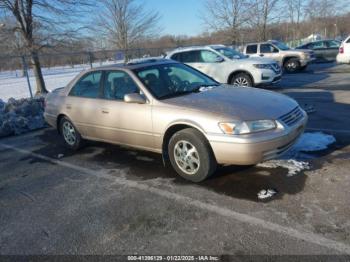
[292, 65]
[70, 134]
[196, 166]
[242, 79]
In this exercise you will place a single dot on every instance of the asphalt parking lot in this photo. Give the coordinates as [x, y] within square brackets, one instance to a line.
[107, 199]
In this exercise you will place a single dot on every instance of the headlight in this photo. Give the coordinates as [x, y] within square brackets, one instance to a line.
[305, 56]
[263, 66]
[247, 127]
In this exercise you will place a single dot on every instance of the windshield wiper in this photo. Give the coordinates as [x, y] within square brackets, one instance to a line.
[194, 90]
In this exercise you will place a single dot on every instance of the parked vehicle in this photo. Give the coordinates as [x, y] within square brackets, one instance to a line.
[172, 109]
[292, 60]
[229, 66]
[325, 50]
[344, 52]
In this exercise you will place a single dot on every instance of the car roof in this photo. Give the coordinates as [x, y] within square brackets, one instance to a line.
[135, 64]
[265, 42]
[196, 47]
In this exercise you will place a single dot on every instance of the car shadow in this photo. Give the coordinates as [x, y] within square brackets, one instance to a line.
[241, 182]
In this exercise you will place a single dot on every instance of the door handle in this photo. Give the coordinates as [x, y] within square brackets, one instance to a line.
[105, 111]
[68, 106]
[261, 55]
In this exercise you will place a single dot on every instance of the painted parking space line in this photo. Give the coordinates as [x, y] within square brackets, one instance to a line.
[221, 211]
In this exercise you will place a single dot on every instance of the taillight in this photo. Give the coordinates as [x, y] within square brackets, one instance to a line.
[341, 50]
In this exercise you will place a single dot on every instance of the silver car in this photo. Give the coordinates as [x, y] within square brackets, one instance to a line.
[167, 107]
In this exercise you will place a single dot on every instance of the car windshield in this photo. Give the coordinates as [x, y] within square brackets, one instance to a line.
[281, 46]
[170, 80]
[230, 53]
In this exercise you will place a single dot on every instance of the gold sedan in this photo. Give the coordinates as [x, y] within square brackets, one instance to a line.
[166, 107]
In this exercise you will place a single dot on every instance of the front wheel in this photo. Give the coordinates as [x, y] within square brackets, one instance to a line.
[292, 65]
[70, 134]
[242, 79]
[191, 155]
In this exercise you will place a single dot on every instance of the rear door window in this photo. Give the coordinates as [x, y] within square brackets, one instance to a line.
[189, 57]
[88, 86]
[252, 49]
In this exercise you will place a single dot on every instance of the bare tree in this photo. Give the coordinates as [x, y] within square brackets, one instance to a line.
[262, 12]
[229, 15]
[40, 23]
[126, 22]
[295, 12]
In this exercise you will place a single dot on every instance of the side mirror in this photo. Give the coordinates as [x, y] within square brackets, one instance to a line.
[219, 59]
[134, 98]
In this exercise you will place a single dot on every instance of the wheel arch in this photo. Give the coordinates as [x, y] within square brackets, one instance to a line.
[234, 73]
[285, 59]
[170, 131]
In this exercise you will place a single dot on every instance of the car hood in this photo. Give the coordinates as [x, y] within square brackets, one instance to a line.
[236, 103]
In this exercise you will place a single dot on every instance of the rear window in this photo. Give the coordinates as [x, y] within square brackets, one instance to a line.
[187, 57]
[252, 49]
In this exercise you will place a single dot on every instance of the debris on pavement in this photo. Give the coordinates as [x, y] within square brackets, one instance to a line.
[59, 156]
[266, 193]
[309, 109]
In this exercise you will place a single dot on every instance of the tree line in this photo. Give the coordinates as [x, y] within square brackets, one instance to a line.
[36, 27]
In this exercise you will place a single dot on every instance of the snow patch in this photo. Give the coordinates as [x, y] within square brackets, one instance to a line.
[145, 158]
[308, 142]
[265, 194]
[293, 166]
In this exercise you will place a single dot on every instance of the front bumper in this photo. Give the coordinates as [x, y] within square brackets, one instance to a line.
[267, 77]
[255, 148]
[305, 62]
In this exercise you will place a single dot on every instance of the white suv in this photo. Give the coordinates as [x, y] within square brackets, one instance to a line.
[228, 66]
[344, 52]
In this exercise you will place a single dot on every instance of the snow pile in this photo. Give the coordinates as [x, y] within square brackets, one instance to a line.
[308, 142]
[20, 116]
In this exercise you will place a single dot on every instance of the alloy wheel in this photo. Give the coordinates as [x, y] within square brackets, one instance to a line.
[186, 157]
[69, 133]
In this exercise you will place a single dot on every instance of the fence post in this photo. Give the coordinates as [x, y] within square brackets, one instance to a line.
[90, 59]
[25, 67]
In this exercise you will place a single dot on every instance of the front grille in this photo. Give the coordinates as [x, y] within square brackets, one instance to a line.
[276, 68]
[292, 117]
